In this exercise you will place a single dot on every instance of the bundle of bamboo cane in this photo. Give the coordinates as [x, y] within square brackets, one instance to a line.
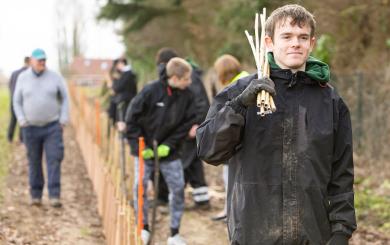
[265, 102]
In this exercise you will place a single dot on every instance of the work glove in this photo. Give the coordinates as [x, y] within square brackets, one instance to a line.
[249, 95]
[147, 154]
[338, 238]
[163, 150]
[121, 126]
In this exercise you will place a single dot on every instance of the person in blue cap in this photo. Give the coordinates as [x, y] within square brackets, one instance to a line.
[42, 109]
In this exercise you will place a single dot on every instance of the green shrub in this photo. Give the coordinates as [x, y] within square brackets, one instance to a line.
[324, 48]
[5, 147]
[371, 207]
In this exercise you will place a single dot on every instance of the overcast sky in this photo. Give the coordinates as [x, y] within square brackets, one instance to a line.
[29, 24]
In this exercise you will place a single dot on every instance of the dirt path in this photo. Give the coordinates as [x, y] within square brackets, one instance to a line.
[197, 228]
[369, 236]
[77, 222]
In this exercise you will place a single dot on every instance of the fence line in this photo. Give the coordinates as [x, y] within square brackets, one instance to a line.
[366, 96]
[100, 147]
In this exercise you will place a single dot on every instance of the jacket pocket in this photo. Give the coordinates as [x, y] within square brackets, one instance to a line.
[316, 217]
[255, 214]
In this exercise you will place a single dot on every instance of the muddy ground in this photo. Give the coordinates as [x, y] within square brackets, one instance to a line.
[77, 222]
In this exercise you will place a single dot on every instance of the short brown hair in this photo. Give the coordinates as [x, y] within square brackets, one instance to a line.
[227, 67]
[178, 67]
[298, 14]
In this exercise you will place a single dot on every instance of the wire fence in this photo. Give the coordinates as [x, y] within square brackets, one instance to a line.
[367, 96]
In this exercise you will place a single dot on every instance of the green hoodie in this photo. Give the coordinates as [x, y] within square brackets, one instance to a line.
[315, 69]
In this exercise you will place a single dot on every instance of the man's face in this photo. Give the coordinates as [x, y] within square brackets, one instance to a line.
[38, 65]
[180, 83]
[120, 65]
[291, 45]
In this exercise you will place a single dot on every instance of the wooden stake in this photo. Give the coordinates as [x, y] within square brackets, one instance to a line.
[257, 49]
[258, 101]
[262, 95]
[262, 111]
[266, 101]
[272, 104]
[140, 186]
[253, 48]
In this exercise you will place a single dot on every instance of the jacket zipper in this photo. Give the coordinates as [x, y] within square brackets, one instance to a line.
[293, 80]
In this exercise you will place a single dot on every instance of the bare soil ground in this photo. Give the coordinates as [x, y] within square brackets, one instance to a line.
[197, 228]
[78, 221]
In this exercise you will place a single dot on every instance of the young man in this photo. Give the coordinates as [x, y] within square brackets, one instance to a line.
[12, 85]
[41, 107]
[163, 111]
[291, 172]
[124, 88]
[192, 165]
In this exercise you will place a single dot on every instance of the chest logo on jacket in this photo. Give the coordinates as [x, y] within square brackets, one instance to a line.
[160, 104]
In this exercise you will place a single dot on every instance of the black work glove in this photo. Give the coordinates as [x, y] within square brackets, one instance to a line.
[338, 238]
[249, 95]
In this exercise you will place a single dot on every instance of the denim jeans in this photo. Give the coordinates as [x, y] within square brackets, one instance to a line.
[44, 139]
[174, 176]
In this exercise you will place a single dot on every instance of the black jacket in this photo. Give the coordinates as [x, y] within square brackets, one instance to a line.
[202, 105]
[291, 172]
[201, 100]
[125, 88]
[14, 78]
[162, 113]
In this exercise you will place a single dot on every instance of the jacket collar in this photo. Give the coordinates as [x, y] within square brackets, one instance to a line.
[290, 78]
[315, 69]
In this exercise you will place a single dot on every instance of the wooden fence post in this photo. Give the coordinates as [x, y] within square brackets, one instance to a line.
[140, 186]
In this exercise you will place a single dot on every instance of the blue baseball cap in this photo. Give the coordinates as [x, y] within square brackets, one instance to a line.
[38, 54]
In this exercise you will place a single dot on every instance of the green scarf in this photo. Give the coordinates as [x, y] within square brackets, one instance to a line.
[315, 69]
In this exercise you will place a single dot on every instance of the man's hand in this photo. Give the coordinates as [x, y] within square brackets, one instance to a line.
[147, 154]
[249, 95]
[121, 126]
[23, 124]
[163, 150]
[192, 132]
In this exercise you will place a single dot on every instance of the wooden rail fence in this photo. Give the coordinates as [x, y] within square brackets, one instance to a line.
[100, 147]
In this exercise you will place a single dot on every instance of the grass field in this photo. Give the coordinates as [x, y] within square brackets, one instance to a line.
[5, 148]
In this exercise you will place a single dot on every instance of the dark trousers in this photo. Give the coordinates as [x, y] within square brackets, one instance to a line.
[193, 170]
[192, 165]
[44, 139]
[12, 126]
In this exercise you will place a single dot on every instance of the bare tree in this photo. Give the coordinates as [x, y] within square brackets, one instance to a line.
[69, 29]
